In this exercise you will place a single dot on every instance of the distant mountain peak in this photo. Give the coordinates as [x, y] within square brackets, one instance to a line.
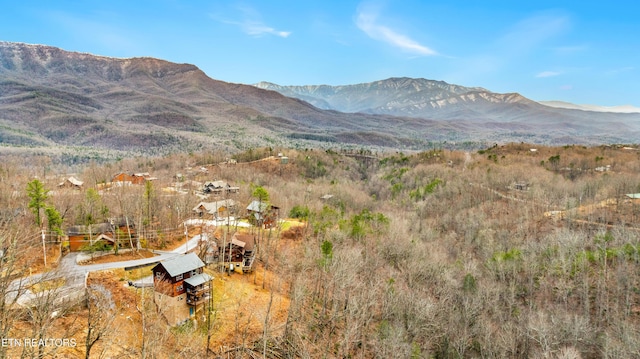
[399, 96]
[594, 108]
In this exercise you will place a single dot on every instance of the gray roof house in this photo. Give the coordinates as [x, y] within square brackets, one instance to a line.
[217, 208]
[263, 213]
[180, 285]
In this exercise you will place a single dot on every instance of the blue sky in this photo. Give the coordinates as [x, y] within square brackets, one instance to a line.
[585, 52]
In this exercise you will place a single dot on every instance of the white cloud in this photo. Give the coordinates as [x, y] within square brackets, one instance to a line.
[548, 74]
[251, 24]
[259, 29]
[367, 21]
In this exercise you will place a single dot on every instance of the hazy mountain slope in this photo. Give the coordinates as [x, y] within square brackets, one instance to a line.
[398, 96]
[53, 97]
[615, 109]
[438, 100]
[57, 99]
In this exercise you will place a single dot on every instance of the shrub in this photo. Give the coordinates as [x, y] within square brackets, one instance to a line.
[300, 212]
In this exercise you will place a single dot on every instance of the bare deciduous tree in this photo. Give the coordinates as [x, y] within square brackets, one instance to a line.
[100, 316]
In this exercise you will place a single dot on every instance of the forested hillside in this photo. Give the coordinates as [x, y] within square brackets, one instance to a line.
[514, 251]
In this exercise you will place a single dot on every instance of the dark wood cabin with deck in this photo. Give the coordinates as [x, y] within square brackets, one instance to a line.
[180, 286]
[240, 251]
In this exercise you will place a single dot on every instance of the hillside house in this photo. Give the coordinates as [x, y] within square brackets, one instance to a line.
[219, 187]
[118, 232]
[181, 288]
[71, 182]
[218, 209]
[240, 252]
[133, 178]
[263, 214]
[633, 197]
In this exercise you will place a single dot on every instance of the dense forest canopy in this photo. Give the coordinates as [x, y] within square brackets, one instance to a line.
[511, 251]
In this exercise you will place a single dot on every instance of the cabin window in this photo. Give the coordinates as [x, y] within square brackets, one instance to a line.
[179, 277]
[179, 288]
[193, 272]
[158, 274]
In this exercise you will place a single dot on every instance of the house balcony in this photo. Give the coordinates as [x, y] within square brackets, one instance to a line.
[196, 300]
[197, 290]
[247, 264]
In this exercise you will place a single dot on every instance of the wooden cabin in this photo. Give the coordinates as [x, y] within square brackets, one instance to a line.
[120, 232]
[180, 286]
[239, 251]
[133, 178]
[219, 187]
[71, 182]
[263, 214]
[218, 209]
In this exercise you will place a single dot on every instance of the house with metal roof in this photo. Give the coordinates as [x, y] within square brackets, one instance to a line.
[71, 182]
[116, 232]
[219, 187]
[218, 209]
[181, 287]
[239, 252]
[262, 213]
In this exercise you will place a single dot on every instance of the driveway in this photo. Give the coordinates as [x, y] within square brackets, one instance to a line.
[76, 274]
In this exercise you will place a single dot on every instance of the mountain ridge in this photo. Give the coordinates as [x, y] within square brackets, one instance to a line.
[401, 96]
[595, 108]
[416, 98]
[54, 98]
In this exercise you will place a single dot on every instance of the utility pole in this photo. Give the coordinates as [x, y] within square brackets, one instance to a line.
[186, 236]
[209, 313]
[44, 249]
[224, 250]
[230, 258]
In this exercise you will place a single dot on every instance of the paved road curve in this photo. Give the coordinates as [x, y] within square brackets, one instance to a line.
[75, 274]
